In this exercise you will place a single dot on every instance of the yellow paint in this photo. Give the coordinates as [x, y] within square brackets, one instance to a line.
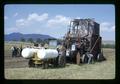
[36, 59]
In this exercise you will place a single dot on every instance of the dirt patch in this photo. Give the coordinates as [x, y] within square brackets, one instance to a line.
[16, 62]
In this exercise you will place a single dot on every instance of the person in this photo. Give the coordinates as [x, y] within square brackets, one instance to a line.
[15, 51]
[20, 51]
[12, 49]
[42, 46]
[90, 57]
[59, 47]
[78, 52]
[46, 46]
[61, 57]
[87, 56]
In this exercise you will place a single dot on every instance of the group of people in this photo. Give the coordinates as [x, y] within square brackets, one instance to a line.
[16, 51]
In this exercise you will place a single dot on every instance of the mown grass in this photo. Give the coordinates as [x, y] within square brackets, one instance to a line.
[96, 71]
[99, 70]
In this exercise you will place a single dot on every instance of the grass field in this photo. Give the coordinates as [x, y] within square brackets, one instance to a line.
[99, 70]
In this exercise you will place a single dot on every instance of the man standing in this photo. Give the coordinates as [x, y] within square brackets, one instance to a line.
[20, 51]
[13, 50]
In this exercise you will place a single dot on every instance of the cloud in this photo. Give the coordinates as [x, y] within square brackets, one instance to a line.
[107, 27]
[112, 28]
[20, 22]
[37, 17]
[31, 19]
[5, 17]
[77, 18]
[58, 20]
[42, 24]
[16, 14]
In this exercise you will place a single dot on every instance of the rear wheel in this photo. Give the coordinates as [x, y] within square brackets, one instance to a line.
[84, 58]
[45, 64]
[55, 62]
[100, 57]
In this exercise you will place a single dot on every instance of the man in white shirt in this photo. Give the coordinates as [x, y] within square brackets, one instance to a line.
[13, 50]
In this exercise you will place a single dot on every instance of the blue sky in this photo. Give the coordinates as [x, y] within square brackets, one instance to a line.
[54, 19]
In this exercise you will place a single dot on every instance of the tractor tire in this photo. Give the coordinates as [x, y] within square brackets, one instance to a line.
[55, 62]
[62, 60]
[84, 59]
[100, 57]
[31, 63]
[45, 65]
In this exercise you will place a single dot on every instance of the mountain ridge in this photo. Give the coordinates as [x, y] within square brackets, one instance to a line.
[18, 36]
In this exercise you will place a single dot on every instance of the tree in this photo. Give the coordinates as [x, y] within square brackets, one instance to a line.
[38, 40]
[108, 45]
[22, 39]
[14, 40]
[30, 40]
[46, 41]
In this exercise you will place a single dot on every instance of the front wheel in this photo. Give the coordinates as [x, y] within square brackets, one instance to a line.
[100, 57]
[31, 63]
[45, 64]
[62, 60]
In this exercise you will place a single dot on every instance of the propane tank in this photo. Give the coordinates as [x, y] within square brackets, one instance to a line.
[47, 53]
[28, 52]
[41, 53]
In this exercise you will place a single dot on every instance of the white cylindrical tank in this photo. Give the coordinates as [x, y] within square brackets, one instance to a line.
[47, 53]
[28, 52]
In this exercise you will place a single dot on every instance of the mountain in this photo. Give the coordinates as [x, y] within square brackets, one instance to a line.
[17, 36]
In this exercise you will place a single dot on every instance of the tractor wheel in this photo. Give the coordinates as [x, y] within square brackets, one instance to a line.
[100, 57]
[45, 65]
[31, 63]
[55, 62]
[84, 59]
[61, 60]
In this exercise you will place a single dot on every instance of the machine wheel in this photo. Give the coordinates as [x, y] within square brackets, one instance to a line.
[84, 59]
[61, 60]
[55, 62]
[31, 63]
[100, 57]
[45, 64]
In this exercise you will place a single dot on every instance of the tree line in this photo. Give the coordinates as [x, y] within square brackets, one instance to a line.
[108, 45]
[38, 40]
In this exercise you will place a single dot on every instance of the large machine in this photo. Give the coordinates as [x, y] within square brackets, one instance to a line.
[82, 39]
[81, 44]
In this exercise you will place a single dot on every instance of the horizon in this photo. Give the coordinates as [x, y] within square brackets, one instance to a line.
[48, 35]
[53, 20]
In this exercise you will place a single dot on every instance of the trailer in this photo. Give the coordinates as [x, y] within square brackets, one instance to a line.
[41, 57]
